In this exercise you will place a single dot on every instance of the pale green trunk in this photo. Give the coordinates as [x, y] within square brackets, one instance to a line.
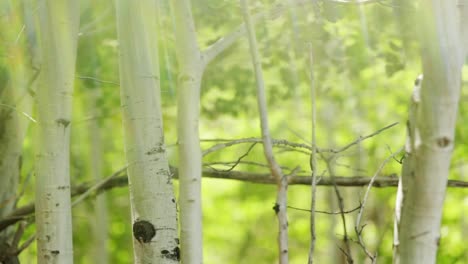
[154, 219]
[58, 26]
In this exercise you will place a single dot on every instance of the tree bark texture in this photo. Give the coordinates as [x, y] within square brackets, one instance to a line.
[58, 30]
[432, 133]
[153, 206]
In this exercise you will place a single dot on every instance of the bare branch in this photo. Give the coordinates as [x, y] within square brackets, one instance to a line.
[225, 143]
[229, 143]
[97, 80]
[347, 249]
[326, 212]
[18, 111]
[313, 160]
[241, 157]
[26, 244]
[97, 186]
[357, 227]
[230, 163]
[360, 139]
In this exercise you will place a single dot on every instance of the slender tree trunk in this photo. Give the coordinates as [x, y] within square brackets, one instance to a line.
[408, 165]
[58, 27]
[313, 159]
[281, 181]
[433, 137]
[191, 68]
[154, 217]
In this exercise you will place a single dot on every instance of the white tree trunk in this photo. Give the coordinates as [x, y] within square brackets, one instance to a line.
[408, 165]
[154, 217]
[433, 137]
[191, 68]
[58, 27]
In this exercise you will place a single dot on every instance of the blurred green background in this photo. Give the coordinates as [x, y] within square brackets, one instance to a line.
[366, 58]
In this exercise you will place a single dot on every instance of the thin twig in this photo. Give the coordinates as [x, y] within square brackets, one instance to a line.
[295, 133]
[282, 142]
[96, 186]
[241, 157]
[97, 80]
[357, 227]
[326, 212]
[230, 163]
[18, 234]
[18, 111]
[348, 257]
[360, 139]
[313, 160]
[228, 143]
[347, 251]
[26, 244]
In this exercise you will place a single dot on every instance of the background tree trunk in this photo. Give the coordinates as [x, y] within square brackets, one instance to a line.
[100, 221]
[15, 108]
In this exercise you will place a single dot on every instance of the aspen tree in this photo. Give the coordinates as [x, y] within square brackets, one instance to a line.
[431, 132]
[58, 31]
[154, 219]
[191, 66]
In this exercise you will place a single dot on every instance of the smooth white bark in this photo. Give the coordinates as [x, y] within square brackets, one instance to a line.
[154, 217]
[191, 68]
[433, 137]
[408, 164]
[58, 27]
